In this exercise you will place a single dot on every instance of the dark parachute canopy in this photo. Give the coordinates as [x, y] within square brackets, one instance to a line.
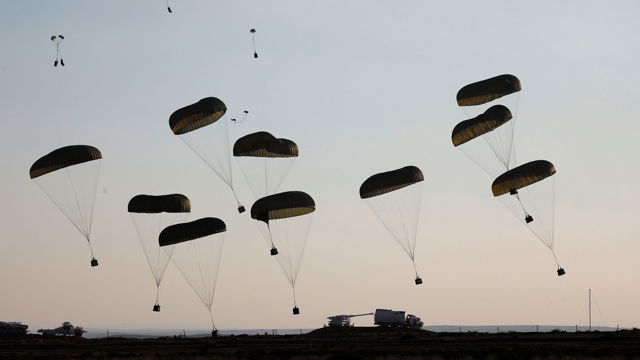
[153, 204]
[62, 158]
[282, 205]
[73, 190]
[532, 193]
[494, 125]
[194, 116]
[391, 196]
[488, 90]
[385, 182]
[521, 176]
[198, 126]
[263, 144]
[150, 214]
[285, 218]
[179, 233]
[196, 250]
[265, 161]
[488, 121]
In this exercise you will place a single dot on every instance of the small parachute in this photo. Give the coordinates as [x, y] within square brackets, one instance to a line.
[245, 113]
[395, 197]
[57, 40]
[196, 250]
[199, 127]
[285, 219]
[150, 214]
[253, 41]
[69, 177]
[265, 161]
[532, 185]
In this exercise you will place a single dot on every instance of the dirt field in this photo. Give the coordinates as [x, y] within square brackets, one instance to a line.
[334, 344]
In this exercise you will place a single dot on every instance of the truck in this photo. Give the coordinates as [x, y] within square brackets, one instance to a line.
[390, 318]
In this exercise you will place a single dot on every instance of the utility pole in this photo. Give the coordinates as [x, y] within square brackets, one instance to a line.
[589, 310]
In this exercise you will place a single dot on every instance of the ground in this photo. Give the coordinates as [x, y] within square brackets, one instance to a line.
[335, 344]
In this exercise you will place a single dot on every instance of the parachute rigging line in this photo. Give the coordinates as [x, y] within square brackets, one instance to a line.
[274, 250]
[527, 217]
[84, 226]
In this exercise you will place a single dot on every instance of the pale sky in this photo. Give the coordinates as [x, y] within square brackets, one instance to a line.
[362, 87]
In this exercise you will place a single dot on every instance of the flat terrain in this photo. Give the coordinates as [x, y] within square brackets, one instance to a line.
[343, 343]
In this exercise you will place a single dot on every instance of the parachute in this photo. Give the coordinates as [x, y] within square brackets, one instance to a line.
[200, 126]
[492, 105]
[69, 177]
[395, 196]
[486, 126]
[57, 40]
[265, 161]
[253, 40]
[245, 113]
[196, 250]
[532, 185]
[287, 218]
[485, 91]
[150, 214]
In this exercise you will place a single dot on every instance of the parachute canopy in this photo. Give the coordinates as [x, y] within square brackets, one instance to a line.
[192, 117]
[178, 233]
[385, 182]
[282, 205]
[196, 250]
[521, 176]
[488, 121]
[263, 144]
[153, 204]
[150, 214]
[487, 90]
[62, 158]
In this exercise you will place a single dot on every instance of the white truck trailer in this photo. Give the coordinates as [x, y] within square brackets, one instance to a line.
[390, 318]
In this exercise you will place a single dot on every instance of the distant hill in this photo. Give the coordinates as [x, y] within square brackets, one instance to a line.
[513, 328]
[93, 333]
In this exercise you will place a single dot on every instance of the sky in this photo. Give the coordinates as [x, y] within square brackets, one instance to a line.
[362, 87]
